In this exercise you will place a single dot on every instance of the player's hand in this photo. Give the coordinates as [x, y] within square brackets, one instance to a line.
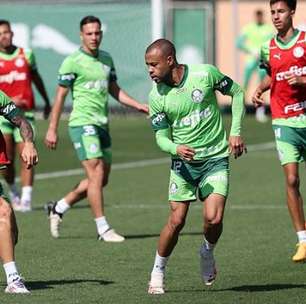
[143, 108]
[257, 98]
[294, 80]
[185, 152]
[236, 146]
[29, 155]
[51, 139]
[47, 110]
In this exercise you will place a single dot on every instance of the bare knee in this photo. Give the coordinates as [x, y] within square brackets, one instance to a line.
[176, 222]
[293, 181]
[213, 219]
[5, 211]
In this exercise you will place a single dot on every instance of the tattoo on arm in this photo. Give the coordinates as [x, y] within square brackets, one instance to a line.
[25, 128]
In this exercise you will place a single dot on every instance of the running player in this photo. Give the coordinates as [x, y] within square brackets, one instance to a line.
[17, 72]
[188, 125]
[284, 57]
[91, 75]
[8, 226]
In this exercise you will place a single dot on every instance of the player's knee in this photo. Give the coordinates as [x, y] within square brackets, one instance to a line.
[293, 181]
[213, 219]
[105, 181]
[176, 222]
[5, 211]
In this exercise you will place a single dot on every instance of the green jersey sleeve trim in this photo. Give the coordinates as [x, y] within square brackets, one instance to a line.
[164, 142]
[238, 109]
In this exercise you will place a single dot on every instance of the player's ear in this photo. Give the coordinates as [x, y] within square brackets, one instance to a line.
[170, 60]
[81, 36]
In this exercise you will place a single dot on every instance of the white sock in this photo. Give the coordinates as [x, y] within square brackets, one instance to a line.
[160, 264]
[10, 271]
[13, 188]
[102, 225]
[26, 194]
[301, 236]
[62, 206]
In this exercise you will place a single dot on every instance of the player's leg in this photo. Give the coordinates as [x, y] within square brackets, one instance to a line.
[249, 69]
[26, 181]
[213, 192]
[9, 172]
[167, 241]
[288, 143]
[181, 193]
[8, 240]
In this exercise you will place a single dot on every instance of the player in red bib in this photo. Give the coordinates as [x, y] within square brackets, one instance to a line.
[17, 72]
[284, 57]
[8, 226]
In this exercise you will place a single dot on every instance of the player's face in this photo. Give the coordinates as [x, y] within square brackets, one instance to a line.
[91, 36]
[281, 15]
[6, 36]
[159, 65]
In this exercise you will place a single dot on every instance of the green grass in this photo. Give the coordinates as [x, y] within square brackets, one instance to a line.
[253, 254]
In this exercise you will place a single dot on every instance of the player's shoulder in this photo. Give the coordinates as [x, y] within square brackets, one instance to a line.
[73, 58]
[26, 51]
[105, 57]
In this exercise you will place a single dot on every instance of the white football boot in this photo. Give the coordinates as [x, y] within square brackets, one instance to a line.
[55, 219]
[17, 286]
[111, 236]
[207, 266]
[156, 284]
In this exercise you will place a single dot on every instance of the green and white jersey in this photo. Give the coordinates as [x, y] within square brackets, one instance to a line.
[89, 78]
[191, 113]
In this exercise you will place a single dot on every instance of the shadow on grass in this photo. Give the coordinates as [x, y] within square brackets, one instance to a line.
[244, 288]
[35, 285]
[146, 236]
[262, 288]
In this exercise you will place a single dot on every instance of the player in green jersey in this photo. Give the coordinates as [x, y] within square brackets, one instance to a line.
[18, 71]
[252, 36]
[8, 226]
[188, 125]
[91, 75]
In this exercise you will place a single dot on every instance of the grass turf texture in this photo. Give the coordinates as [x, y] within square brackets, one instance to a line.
[253, 255]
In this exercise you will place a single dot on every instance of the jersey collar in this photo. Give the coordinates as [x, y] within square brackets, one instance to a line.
[290, 43]
[83, 52]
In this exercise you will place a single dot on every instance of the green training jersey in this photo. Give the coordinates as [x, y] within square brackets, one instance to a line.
[190, 110]
[89, 78]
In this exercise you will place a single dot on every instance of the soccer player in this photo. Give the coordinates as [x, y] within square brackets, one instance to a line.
[8, 226]
[91, 75]
[188, 125]
[251, 39]
[284, 57]
[17, 72]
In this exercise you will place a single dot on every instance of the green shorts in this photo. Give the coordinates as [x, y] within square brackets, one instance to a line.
[7, 127]
[90, 142]
[290, 144]
[209, 176]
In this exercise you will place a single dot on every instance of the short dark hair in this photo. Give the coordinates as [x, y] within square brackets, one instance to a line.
[290, 3]
[5, 22]
[89, 19]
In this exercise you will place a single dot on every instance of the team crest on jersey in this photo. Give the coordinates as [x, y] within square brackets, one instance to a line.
[197, 96]
[298, 52]
[19, 62]
[173, 188]
[93, 148]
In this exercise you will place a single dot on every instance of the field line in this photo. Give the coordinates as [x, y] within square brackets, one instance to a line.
[138, 164]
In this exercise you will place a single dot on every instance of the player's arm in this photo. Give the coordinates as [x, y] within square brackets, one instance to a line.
[51, 137]
[125, 99]
[162, 134]
[39, 84]
[227, 86]
[9, 110]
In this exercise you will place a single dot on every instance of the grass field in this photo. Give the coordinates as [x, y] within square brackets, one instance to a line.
[253, 255]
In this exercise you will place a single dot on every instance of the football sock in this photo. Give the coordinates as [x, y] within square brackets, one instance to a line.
[102, 225]
[61, 206]
[26, 194]
[10, 271]
[159, 264]
[301, 236]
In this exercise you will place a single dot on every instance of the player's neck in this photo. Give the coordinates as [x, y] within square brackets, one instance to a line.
[8, 50]
[177, 75]
[286, 34]
[90, 52]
